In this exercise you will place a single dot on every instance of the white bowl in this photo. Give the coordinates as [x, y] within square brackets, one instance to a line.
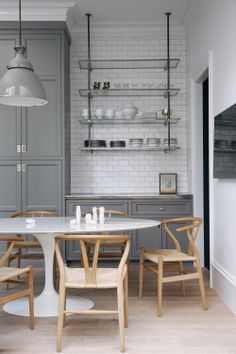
[129, 111]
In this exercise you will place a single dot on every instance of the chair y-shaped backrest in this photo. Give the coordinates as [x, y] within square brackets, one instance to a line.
[190, 229]
[91, 271]
[108, 214]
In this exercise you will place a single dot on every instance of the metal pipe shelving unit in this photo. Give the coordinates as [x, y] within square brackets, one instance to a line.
[157, 63]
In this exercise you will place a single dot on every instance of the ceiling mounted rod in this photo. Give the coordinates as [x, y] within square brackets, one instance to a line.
[168, 14]
[20, 36]
[89, 82]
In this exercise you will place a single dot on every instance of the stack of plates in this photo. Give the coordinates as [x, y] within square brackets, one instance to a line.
[173, 142]
[117, 143]
[136, 143]
[222, 144]
[233, 144]
[153, 142]
[95, 143]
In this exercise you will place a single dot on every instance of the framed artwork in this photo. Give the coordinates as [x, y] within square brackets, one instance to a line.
[167, 183]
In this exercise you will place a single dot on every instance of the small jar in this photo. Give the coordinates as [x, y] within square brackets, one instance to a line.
[95, 215]
[78, 214]
[101, 215]
[96, 85]
[106, 85]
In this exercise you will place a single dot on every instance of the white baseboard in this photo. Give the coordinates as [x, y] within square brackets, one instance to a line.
[224, 285]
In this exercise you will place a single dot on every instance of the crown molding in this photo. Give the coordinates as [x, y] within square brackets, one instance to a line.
[189, 13]
[35, 11]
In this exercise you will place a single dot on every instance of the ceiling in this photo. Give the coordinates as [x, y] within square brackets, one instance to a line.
[118, 11]
[133, 10]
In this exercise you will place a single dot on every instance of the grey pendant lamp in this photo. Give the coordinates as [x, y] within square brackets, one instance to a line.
[20, 86]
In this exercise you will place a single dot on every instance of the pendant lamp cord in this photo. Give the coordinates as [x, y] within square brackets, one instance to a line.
[20, 43]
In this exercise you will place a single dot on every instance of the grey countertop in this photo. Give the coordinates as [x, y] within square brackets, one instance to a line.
[130, 196]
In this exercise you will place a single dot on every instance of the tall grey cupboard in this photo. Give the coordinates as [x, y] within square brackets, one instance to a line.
[35, 142]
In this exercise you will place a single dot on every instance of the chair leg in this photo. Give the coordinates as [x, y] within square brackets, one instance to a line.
[122, 249]
[64, 315]
[55, 271]
[60, 316]
[201, 285]
[181, 271]
[126, 300]
[141, 261]
[8, 264]
[31, 297]
[18, 263]
[120, 300]
[159, 286]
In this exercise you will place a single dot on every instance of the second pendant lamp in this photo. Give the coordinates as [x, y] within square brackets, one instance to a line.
[20, 86]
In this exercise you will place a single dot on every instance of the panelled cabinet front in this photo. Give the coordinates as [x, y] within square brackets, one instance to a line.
[144, 209]
[41, 126]
[31, 139]
[10, 117]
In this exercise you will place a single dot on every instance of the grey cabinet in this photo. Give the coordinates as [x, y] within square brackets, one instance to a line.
[34, 142]
[146, 208]
[29, 185]
[42, 126]
[10, 188]
[10, 117]
[41, 183]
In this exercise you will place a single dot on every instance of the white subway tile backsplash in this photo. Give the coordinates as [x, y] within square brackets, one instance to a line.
[127, 172]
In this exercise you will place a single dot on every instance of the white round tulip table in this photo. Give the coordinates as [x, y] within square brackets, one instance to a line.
[45, 230]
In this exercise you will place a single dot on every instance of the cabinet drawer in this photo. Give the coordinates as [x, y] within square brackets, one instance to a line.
[162, 208]
[87, 205]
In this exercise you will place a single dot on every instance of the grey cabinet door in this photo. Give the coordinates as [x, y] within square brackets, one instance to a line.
[86, 205]
[181, 237]
[147, 238]
[44, 52]
[10, 188]
[42, 126]
[41, 185]
[10, 117]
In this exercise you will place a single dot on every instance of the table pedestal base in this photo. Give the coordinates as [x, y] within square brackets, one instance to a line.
[46, 306]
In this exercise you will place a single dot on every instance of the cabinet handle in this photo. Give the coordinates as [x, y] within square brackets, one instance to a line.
[23, 167]
[161, 208]
[23, 148]
[18, 148]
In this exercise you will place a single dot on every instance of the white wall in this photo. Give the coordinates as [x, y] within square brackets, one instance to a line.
[212, 29]
[127, 172]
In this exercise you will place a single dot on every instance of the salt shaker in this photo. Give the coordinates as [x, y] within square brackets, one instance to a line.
[101, 215]
[78, 214]
[95, 215]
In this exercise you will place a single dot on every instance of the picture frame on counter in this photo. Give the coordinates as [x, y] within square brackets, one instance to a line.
[167, 183]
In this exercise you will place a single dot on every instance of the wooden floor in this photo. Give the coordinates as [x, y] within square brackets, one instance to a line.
[184, 327]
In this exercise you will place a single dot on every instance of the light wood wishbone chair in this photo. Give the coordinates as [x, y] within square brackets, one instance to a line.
[32, 244]
[166, 259]
[94, 277]
[10, 274]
